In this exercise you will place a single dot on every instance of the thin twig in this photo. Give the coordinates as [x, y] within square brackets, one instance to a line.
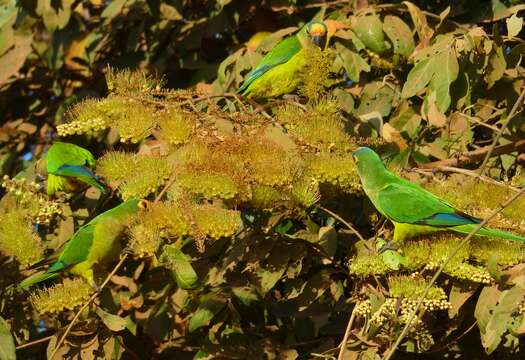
[348, 225]
[512, 113]
[166, 188]
[342, 346]
[401, 336]
[468, 173]
[86, 304]
[471, 157]
[479, 122]
[35, 342]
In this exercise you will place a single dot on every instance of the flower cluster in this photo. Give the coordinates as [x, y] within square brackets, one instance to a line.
[62, 296]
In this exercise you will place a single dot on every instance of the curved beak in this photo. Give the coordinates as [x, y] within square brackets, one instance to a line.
[319, 40]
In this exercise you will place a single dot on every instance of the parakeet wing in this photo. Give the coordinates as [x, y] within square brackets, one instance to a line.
[67, 154]
[80, 172]
[411, 204]
[280, 54]
[77, 249]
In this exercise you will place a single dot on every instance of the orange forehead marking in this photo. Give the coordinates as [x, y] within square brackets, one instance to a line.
[317, 29]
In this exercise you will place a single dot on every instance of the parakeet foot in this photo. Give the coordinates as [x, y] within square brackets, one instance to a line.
[97, 288]
[389, 245]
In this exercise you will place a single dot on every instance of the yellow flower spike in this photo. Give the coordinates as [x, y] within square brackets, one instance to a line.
[144, 240]
[62, 296]
[266, 197]
[177, 126]
[306, 192]
[135, 124]
[367, 265]
[334, 169]
[131, 81]
[315, 73]
[507, 253]
[17, 237]
[268, 163]
[216, 222]
[140, 174]
[410, 289]
[363, 308]
[210, 186]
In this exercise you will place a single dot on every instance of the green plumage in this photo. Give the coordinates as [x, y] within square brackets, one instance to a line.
[278, 71]
[66, 165]
[412, 209]
[94, 243]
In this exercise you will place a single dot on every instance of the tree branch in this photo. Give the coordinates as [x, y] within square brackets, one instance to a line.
[477, 155]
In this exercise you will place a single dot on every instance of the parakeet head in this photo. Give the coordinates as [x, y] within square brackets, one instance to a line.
[317, 31]
[367, 160]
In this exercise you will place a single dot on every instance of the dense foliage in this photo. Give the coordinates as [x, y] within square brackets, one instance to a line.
[258, 240]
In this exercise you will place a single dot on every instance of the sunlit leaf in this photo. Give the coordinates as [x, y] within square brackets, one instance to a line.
[418, 77]
[180, 264]
[7, 345]
[514, 25]
[369, 29]
[205, 313]
[353, 63]
[399, 34]
[113, 322]
[446, 72]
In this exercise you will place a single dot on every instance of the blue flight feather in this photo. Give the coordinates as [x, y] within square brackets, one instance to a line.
[448, 219]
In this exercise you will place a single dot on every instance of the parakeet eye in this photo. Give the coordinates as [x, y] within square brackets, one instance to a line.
[144, 204]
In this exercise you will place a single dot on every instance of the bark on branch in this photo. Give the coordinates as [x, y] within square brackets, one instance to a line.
[477, 155]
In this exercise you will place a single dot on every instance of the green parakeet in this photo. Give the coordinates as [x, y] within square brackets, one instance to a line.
[277, 72]
[94, 243]
[412, 209]
[66, 165]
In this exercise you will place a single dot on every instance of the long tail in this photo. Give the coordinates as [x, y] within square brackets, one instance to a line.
[466, 229]
[35, 279]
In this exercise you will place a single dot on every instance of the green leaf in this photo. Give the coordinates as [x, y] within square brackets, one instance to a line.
[54, 18]
[205, 313]
[352, 62]
[179, 263]
[378, 97]
[113, 322]
[406, 120]
[221, 72]
[328, 239]
[514, 25]
[369, 29]
[399, 34]
[247, 295]
[418, 77]
[447, 70]
[113, 9]
[345, 100]
[7, 345]
[497, 66]
[494, 313]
